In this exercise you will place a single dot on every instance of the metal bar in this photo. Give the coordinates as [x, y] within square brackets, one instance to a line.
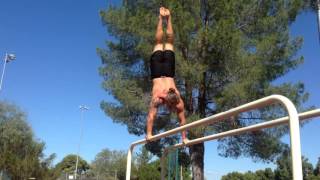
[284, 120]
[268, 124]
[129, 157]
[214, 118]
[294, 128]
[318, 4]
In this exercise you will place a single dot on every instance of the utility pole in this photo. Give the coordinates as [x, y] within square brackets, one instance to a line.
[318, 5]
[181, 175]
[7, 58]
[82, 109]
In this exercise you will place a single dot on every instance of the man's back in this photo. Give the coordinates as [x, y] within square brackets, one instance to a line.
[162, 84]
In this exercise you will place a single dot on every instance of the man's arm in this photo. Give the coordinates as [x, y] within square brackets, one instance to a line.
[155, 102]
[182, 119]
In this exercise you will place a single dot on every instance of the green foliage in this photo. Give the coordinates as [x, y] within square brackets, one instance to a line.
[266, 174]
[240, 47]
[282, 172]
[21, 156]
[284, 167]
[149, 171]
[68, 165]
[145, 168]
[233, 176]
[107, 163]
[143, 158]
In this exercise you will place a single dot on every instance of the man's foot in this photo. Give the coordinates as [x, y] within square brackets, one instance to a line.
[162, 12]
[167, 13]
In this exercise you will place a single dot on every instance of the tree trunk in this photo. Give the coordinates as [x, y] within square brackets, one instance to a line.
[197, 161]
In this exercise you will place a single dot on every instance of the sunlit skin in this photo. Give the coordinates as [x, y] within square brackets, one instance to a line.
[162, 84]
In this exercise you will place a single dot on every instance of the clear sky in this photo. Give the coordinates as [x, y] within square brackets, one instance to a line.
[57, 70]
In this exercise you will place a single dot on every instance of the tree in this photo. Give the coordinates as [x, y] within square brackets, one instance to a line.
[317, 168]
[107, 163]
[146, 168]
[227, 53]
[149, 171]
[282, 172]
[266, 174]
[68, 166]
[21, 156]
[143, 158]
[284, 167]
[233, 176]
[48, 168]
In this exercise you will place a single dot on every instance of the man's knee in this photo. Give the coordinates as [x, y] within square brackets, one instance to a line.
[158, 39]
[170, 38]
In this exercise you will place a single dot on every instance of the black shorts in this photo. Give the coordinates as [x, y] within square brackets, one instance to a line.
[162, 63]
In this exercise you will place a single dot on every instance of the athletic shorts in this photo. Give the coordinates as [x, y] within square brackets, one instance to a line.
[162, 63]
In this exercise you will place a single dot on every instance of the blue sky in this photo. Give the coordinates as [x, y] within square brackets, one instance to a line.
[57, 70]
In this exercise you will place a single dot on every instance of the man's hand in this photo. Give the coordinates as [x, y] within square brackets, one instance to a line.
[148, 137]
[185, 141]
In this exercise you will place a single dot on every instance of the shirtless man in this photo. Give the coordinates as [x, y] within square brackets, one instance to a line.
[162, 66]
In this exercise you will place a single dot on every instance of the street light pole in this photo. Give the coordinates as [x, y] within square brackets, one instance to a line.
[7, 58]
[82, 109]
[3, 70]
[318, 5]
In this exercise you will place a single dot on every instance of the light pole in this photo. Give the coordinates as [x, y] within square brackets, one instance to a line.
[7, 58]
[318, 5]
[82, 109]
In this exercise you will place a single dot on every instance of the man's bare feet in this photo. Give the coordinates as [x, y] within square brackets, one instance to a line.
[167, 13]
[162, 12]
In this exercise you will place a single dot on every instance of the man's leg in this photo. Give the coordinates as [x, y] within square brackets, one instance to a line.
[169, 33]
[159, 32]
[169, 46]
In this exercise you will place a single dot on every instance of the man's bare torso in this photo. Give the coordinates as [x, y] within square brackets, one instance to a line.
[162, 85]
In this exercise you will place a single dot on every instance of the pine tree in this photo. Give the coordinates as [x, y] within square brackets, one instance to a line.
[228, 53]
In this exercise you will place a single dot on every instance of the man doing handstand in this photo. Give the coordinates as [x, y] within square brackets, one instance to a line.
[162, 66]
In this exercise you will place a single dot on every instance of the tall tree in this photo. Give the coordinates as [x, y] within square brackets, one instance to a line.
[68, 166]
[21, 155]
[284, 167]
[109, 163]
[227, 53]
